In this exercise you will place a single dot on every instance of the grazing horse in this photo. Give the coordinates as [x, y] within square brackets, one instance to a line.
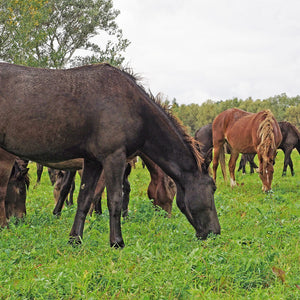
[15, 200]
[246, 133]
[290, 140]
[162, 188]
[110, 117]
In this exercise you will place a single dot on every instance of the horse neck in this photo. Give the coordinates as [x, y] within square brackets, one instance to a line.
[168, 148]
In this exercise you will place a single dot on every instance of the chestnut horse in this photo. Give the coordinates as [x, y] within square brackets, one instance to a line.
[100, 113]
[246, 133]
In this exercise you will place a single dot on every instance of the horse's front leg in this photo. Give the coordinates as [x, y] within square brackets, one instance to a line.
[90, 176]
[232, 162]
[6, 164]
[114, 167]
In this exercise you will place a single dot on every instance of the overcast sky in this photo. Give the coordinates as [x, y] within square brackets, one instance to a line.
[195, 50]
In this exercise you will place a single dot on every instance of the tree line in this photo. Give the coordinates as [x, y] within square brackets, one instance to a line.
[195, 116]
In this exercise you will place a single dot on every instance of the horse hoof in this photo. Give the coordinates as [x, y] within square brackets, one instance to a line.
[283, 174]
[75, 241]
[117, 245]
[57, 213]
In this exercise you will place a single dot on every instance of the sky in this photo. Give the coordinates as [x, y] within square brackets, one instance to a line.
[195, 50]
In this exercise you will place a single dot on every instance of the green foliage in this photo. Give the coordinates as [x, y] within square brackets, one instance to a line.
[255, 257]
[46, 33]
[195, 116]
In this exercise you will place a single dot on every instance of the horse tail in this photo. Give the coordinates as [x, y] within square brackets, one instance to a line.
[222, 161]
[267, 138]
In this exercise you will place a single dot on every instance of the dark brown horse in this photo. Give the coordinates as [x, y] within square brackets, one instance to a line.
[110, 117]
[290, 140]
[15, 200]
[246, 133]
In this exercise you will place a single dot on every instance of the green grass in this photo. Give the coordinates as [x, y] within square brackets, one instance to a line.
[162, 258]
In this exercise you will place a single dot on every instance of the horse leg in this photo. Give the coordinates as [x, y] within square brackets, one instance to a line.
[114, 168]
[6, 162]
[96, 205]
[126, 191]
[252, 163]
[39, 172]
[287, 157]
[71, 193]
[290, 162]
[232, 162]
[89, 179]
[65, 189]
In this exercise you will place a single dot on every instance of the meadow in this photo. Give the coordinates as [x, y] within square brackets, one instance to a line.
[257, 255]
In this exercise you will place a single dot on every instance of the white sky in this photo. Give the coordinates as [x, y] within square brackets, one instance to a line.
[195, 50]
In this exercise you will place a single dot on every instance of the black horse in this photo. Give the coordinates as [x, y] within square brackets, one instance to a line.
[110, 118]
[290, 140]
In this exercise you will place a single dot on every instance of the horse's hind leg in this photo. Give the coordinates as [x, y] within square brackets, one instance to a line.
[65, 189]
[287, 159]
[232, 162]
[126, 191]
[290, 162]
[90, 176]
[114, 167]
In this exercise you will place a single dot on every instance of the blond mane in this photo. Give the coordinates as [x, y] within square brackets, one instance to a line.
[266, 135]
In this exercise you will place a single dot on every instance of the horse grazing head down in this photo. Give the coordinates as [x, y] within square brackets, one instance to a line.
[15, 201]
[270, 137]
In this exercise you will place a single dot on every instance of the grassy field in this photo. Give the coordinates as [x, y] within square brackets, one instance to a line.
[257, 255]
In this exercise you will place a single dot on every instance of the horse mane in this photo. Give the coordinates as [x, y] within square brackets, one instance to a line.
[193, 144]
[266, 135]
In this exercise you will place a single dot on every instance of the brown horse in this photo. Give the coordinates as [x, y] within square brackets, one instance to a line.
[290, 140]
[204, 136]
[246, 133]
[110, 117]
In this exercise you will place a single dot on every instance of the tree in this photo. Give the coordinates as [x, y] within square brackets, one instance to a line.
[47, 33]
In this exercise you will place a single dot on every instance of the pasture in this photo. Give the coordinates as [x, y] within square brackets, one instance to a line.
[257, 255]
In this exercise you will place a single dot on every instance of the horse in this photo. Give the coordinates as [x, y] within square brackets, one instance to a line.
[290, 140]
[15, 200]
[110, 117]
[246, 133]
[205, 137]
